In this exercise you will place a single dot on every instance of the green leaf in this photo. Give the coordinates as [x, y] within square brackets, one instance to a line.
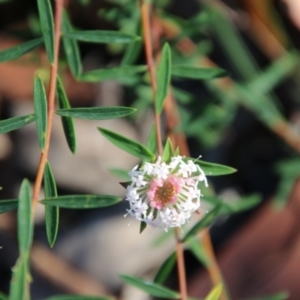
[132, 53]
[215, 293]
[197, 73]
[143, 226]
[40, 108]
[245, 203]
[19, 282]
[163, 78]
[67, 122]
[242, 204]
[7, 205]
[3, 297]
[203, 223]
[127, 145]
[71, 48]
[153, 289]
[25, 222]
[232, 43]
[15, 123]
[212, 169]
[78, 297]
[280, 296]
[168, 151]
[51, 212]
[46, 21]
[96, 113]
[151, 142]
[195, 246]
[101, 36]
[120, 173]
[82, 201]
[265, 81]
[165, 269]
[122, 72]
[177, 151]
[182, 96]
[17, 51]
[125, 184]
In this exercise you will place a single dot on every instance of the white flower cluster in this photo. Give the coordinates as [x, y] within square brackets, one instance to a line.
[165, 195]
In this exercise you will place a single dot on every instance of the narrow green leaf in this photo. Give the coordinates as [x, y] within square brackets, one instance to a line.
[215, 293]
[195, 246]
[163, 78]
[17, 51]
[7, 205]
[25, 222]
[242, 204]
[133, 49]
[96, 113]
[71, 48]
[81, 201]
[168, 151]
[182, 96]
[232, 43]
[203, 223]
[122, 72]
[67, 122]
[265, 81]
[212, 169]
[153, 289]
[101, 36]
[120, 173]
[151, 142]
[132, 53]
[19, 282]
[52, 212]
[177, 151]
[40, 108]
[78, 297]
[143, 226]
[125, 184]
[245, 203]
[165, 269]
[280, 296]
[15, 123]
[197, 73]
[3, 297]
[127, 145]
[46, 21]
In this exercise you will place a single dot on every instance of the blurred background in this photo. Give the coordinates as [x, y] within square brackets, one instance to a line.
[249, 120]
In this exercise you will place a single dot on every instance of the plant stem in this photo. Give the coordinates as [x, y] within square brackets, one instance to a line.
[51, 102]
[181, 265]
[145, 15]
[213, 269]
[178, 139]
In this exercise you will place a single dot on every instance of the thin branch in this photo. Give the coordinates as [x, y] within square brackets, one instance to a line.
[145, 14]
[180, 266]
[51, 102]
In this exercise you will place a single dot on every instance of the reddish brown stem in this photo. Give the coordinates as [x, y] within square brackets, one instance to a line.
[181, 266]
[145, 13]
[51, 103]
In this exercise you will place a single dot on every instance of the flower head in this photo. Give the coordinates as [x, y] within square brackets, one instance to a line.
[165, 195]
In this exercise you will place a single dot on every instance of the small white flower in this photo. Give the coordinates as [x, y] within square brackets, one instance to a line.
[165, 195]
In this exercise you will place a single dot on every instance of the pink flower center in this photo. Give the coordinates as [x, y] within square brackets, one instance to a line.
[164, 192]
